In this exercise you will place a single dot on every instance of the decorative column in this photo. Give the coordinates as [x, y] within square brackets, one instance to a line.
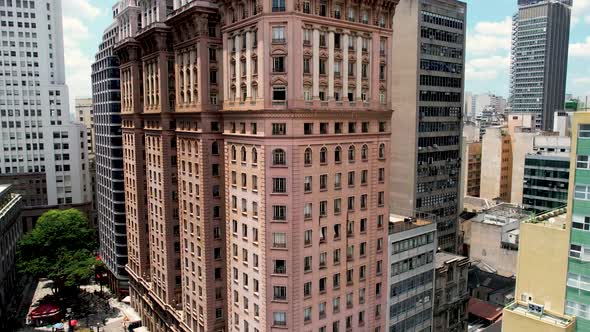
[238, 71]
[248, 65]
[316, 65]
[359, 68]
[193, 79]
[330, 68]
[345, 67]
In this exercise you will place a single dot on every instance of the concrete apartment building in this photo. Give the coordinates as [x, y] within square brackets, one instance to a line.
[11, 231]
[496, 165]
[450, 293]
[412, 247]
[265, 173]
[37, 135]
[486, 101]
[494, 236]
[540, 40]
[427, 97]
[108, 149]
[542, 274]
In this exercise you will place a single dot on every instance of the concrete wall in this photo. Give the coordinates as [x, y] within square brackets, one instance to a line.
[486, 247]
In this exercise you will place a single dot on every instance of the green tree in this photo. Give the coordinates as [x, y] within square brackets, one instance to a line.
[61, 248]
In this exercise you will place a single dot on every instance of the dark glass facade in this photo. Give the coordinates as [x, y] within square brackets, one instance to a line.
[546, 180]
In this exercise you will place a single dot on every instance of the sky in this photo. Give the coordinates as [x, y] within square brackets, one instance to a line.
[487, 57]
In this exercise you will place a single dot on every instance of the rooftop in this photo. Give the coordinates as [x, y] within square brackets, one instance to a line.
[502, 214]
[547, 317]
[443, 258]
[484, 310]
[554, 218]
[399, 223]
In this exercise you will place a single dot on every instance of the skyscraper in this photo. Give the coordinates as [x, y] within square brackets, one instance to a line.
[428, 77]
[37, 135]
[108, 150]
[540, 40]
[259, 202]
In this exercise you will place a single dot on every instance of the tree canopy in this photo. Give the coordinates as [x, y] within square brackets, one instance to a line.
[61, 247]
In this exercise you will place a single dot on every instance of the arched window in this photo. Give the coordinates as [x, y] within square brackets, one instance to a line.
[215, 148]
[243, 154]
[323, 155]
[351, 153]
[234, 153]
[279, 157]
[338, 154]
[307, 156]
[365, 152]
[254, 156]
[381, 151]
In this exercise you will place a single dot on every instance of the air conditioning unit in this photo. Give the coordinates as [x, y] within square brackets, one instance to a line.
[536, 309]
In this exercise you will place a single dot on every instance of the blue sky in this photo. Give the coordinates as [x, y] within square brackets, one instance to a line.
[488, 44]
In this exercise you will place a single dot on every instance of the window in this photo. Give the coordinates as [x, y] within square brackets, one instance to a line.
[307, 314]
[323, 182]
[279, 93]
[279, 240]
[381, 151]
[279, 157]
[280, 293]
[351, 153]
[365, 152]
[278, 34]
[279, 185]
[307, 289]
[307, 184]
[338, 155]
[307, 235]
[582, 162]
[582, 192]
[308, 128]
[575, 251]
[278, 64]
[307, 156]
[279, 212]
[581, 222]
[307, 7]
[280, 317]
[307, 210]
[280, 266]
[584, 131]
[337, 180]
[323, 155]
[279, 129]
[306, 65]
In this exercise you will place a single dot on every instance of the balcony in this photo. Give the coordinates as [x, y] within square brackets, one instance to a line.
[519, 311]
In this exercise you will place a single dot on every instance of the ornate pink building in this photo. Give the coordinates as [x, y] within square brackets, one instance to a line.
[256, 145]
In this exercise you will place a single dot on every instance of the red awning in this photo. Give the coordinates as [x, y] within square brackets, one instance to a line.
[44, 311]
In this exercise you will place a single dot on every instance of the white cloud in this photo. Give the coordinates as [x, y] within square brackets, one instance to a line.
[581, 11]
[77, 53]
[483, 69]
[582, 80]
[80, 8]
[490, 37]
[580, 49]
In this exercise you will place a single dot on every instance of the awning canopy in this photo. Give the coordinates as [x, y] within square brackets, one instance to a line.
[44, 311]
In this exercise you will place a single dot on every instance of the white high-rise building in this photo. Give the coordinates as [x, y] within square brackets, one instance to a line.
[484, 101]
[36, 132]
